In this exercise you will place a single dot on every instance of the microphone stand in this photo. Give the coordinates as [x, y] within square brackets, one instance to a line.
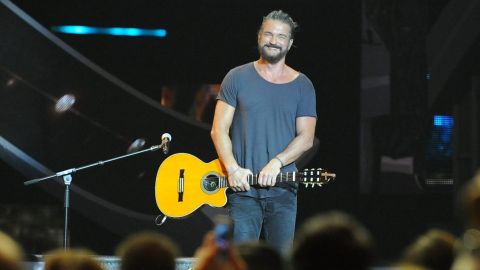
[67, 180]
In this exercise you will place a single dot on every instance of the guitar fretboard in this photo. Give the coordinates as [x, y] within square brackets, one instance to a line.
[313, 176]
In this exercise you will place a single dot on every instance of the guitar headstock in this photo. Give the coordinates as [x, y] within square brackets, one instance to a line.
[316, 177]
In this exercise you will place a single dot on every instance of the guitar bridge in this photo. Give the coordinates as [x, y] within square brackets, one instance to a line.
[181, 185]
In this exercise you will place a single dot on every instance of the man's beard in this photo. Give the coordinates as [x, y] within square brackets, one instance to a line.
[272, 59]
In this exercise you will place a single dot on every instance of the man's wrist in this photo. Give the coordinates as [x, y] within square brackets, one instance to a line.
[233, 169]
[279, 160]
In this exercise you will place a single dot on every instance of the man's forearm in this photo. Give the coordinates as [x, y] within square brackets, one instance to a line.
[223, 146]
[295, 149]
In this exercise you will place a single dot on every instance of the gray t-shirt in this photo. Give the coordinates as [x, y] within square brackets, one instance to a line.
[265, 114]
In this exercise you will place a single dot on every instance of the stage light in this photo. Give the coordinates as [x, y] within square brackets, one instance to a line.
[439, 156]
[10, 82]
[441, 140]
[136, 145]
[115, 31]
[65, 103]
[443, 120]
[74, 29]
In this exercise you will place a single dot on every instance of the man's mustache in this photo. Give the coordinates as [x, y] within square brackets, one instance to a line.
[272, 46]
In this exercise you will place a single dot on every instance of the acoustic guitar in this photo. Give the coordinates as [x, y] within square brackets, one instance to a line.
[184, 183]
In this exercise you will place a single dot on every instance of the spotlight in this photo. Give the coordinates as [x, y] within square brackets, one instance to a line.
[136, 145]
[10, 82]
[65, 103]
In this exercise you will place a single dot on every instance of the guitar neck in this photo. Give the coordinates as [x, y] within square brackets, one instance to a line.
[253, 178]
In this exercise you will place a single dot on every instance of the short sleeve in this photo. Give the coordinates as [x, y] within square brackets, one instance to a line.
[228, 90]
[307, 103]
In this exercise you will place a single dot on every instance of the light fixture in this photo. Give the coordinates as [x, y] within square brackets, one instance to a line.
[10, 82]
[136, 145]
[115, 31]
[64, 103]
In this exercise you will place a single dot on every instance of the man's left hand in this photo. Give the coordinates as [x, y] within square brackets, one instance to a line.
[268, 175]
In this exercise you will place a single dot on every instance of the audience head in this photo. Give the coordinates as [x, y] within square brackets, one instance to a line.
[465, 261]
[333, 240]
[409, 266]
[147, 251]
[11, 254]
[211, 256]
[72, 259]
[468, 256]
[471, 199]
[433, 250]
[260, 256]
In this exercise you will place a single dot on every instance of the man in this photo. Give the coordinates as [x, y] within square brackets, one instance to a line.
[269, 111]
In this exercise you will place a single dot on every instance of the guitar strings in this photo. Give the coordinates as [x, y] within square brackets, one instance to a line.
[283, 177]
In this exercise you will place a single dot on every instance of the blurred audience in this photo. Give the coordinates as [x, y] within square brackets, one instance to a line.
[408, 266]
[471, 200]
[72, 259]
[259, 256]
[147, 251]
[333, 240]
[465, 261]
[469, 256]
[11, 254]
[210, 257]
[435, 249]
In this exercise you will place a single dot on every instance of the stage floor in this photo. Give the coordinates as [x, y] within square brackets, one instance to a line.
[113, 263]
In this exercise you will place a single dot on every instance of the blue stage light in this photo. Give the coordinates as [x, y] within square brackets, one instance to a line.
[73, 29]
[440, 145]
[115, 31]
[443, 120]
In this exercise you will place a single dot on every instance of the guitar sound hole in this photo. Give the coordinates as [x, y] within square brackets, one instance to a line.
[210, 183]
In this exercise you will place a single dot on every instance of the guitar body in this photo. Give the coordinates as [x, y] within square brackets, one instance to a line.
[184, 183]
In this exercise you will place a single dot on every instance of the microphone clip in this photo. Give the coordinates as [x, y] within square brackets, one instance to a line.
[166, 139]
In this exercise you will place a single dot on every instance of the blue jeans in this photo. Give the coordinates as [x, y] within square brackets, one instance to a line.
[272, 217]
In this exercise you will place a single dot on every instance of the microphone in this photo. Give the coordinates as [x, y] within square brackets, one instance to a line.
[166, 139]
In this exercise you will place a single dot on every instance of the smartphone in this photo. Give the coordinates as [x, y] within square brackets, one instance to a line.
[223, 232]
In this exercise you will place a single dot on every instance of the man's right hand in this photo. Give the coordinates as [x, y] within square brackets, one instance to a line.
[237, 179]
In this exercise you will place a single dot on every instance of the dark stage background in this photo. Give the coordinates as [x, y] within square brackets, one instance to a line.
[121, 82]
